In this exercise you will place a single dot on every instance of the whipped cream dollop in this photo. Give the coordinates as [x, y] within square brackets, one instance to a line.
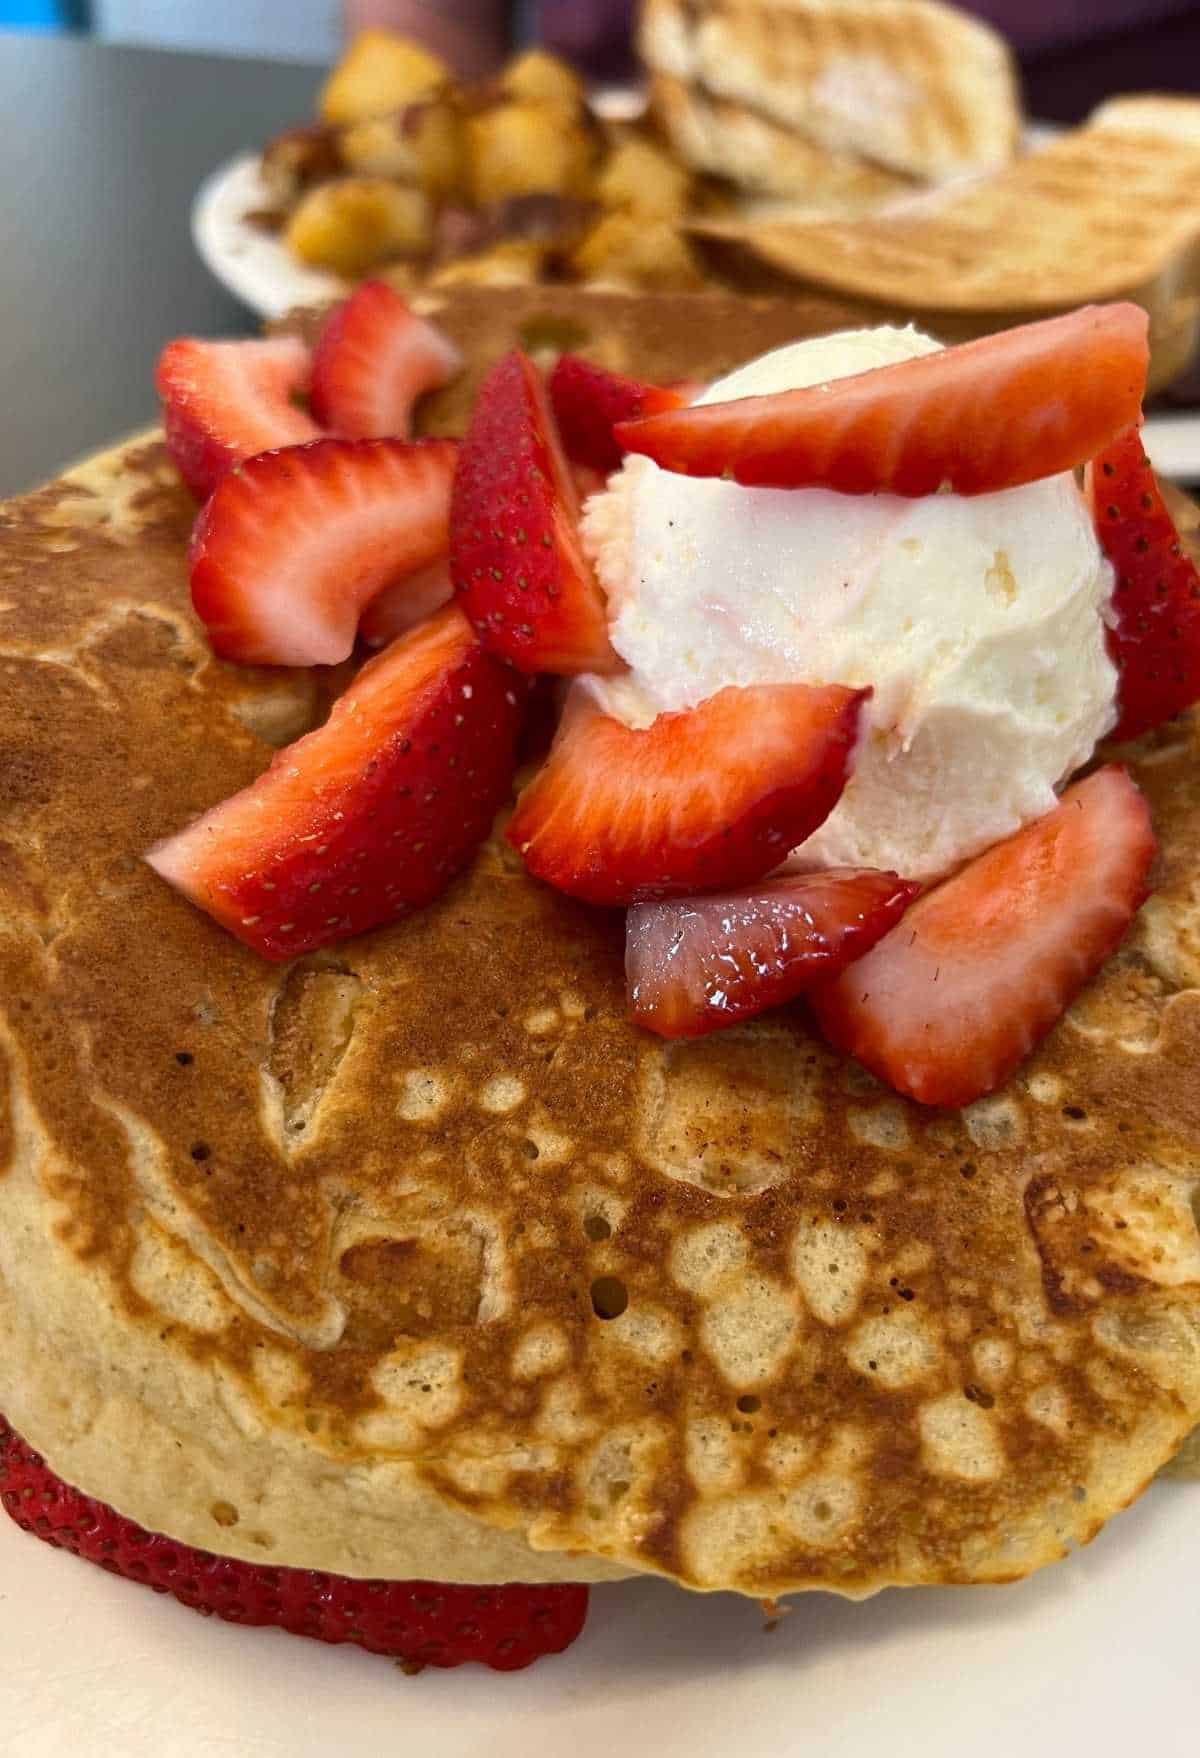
[978, 621]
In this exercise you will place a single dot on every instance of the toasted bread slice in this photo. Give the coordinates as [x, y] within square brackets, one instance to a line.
[1157, 113]
[1108, 211]
[763, 157]
[913, 86]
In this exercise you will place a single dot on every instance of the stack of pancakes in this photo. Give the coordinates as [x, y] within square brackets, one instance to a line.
[414, 1258]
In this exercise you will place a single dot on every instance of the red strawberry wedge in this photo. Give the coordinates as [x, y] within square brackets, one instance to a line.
[294, 544]
[370, 816]
[402, 606]
[987, 415]
[374, 358]
[420, 1623]
[515, 553]
[225, 401]
[697, 801]
[1156, 642]
[696, 964]
[947, 1006]
[588, 402]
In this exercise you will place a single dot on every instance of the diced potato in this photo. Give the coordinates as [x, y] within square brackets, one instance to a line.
[293, 160]
[558, 222]
[380, 72]
[512, 264]
[378, 149]
[537, 77]
[645, 179]
[422, 144]
[405, 277]
[526, 149]
[627, 250]
[352, 224]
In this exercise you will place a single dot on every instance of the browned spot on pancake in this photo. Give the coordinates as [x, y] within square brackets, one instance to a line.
[7, 1139]
[410, 1287]
[147, 641]
[19, 887]
[1120, 1234]
[312, 1019]
[1044, 1199]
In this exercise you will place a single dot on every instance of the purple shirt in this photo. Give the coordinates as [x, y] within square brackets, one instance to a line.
[597, 32]
[1042, 24]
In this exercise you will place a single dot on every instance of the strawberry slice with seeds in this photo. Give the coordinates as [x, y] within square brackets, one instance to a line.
[294, 544]
[947, 1006]
[370, 816]
[697, 801]
[1155, 645]
[402, 606]
[696, 964]
[374, 358]
[515, 553]
[421, 1623]
[987, 415]
[225, 401]
[588, 402]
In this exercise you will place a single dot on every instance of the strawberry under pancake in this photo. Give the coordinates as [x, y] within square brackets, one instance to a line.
[415, 1258]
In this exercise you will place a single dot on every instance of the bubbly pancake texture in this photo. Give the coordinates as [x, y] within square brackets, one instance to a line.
[414, 1258]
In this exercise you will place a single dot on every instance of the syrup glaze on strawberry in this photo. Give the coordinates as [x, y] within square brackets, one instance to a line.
[698, 964]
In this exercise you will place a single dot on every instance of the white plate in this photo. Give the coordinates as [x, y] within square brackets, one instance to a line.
[255, 265]
[1098, 1655]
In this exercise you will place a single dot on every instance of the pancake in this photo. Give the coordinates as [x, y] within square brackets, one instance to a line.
[414, 1258]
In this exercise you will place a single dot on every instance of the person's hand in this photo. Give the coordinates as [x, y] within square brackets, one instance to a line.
[472, 35]
[594, 34]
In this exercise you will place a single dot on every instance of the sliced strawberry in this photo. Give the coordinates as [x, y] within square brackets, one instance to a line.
[515, 553]
[588, 402]
[422, 1623]
[987, 415]
[695, 802]
[374, 358]
[225, 401]
[295, 543]
[696, 964]
[371, 815]
[979, 970]
[402, 606]
[1156, 642]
